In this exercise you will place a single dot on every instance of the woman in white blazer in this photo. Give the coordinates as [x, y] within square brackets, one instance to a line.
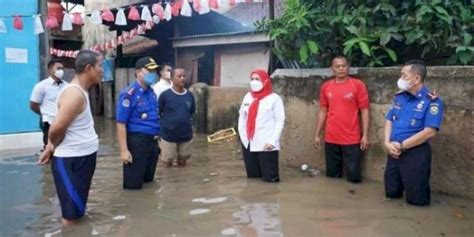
[261, 120]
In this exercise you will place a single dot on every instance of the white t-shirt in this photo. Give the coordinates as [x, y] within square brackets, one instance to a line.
[45, 93]
[160, 87]
[268, 124]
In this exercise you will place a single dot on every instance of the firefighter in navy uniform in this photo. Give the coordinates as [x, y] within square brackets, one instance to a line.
[138, 126]
[413, 120]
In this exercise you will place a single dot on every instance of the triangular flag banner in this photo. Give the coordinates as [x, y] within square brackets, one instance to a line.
[3, 27]
[126, 35]
[17, 23]
[96, 18]
[77, 19]
[121, 20]
[67, 22]
[120, 40]
[133, 14]
[223, 2]
[156, 19]
[167, 13]
[140, 30]
[146, 15]
[204, 7]
[175, 9]
[38, 28]
[213, 4]
[197, 5]
[133, 33]
[186, 9]
[51, 22]
[107, 15]
[149, 25]
[158, 10]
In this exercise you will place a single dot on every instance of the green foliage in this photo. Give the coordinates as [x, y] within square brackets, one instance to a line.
[373, 33]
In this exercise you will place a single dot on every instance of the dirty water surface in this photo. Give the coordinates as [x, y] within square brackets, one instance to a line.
[213, 197]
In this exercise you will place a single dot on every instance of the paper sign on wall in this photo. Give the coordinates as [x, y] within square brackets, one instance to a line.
[14, 55]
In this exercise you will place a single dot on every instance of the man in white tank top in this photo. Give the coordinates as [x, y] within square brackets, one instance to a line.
[73, 143]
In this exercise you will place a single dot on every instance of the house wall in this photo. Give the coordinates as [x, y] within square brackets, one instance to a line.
[452, 162]
[233, 63]
[237, 62]
[18, 79]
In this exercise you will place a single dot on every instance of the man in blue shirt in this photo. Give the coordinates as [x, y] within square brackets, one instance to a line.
[413, 120]
[138, 126]
[177, 108]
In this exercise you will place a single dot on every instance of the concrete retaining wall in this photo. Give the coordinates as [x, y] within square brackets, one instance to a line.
[453, 159]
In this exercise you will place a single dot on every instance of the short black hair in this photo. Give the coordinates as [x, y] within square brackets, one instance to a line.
[418, 67]
[173, 72]
[84, 58]
[52, 62]
[340, 57]
[163, 65]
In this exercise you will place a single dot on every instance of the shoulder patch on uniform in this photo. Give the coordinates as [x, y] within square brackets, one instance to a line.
[126, 102]
[434, 110]
[131, 91]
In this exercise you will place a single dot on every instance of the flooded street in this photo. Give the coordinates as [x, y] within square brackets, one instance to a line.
[213, 197]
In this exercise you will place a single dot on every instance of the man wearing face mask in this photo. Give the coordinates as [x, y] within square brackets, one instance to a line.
[413, 120]
[44, 94]
[165, 80]
[138, 126]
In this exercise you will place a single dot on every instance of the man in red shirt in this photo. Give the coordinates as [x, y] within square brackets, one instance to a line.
[341, 98]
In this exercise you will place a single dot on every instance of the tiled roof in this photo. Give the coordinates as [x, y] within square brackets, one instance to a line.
[138, 45]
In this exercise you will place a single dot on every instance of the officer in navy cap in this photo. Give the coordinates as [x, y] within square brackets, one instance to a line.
[138, 126]
[413, 120]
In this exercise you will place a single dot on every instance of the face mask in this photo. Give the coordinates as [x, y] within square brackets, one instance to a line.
[59, 73]
[403, 84]
[150, 78]
[256, 86]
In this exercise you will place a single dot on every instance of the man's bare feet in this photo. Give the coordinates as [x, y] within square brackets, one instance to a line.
[181, 163]
[67, 222]
[168, 164]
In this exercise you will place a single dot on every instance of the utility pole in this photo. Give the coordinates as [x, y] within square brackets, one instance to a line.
[271, 16]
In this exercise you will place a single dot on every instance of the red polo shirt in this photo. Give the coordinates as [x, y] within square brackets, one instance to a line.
[343, 101]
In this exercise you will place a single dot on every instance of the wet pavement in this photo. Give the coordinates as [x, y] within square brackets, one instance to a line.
[213, 197]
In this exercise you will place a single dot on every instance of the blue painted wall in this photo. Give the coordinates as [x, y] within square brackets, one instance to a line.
[17, 80]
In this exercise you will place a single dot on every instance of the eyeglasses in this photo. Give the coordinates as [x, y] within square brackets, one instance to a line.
[255, 78]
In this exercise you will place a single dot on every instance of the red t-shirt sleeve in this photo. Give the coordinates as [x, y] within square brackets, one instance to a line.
[323, 100]
[362, 96]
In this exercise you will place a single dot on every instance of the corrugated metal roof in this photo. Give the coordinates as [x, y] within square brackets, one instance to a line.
[218, 35]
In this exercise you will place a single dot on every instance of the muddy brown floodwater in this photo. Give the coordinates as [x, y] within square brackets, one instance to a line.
[213, 197]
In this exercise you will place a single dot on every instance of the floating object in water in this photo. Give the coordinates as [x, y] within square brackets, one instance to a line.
[228, 231]
[119, 217]
[199, 211]
[225, 134]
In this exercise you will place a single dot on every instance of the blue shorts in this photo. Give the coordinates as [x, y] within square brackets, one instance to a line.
[72, 178]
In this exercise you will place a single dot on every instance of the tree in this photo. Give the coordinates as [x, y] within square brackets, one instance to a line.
[373, 33]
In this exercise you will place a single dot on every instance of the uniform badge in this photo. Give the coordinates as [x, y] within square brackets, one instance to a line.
[413, 122]
[126, 103]
[144, 116]
[420, 105]
[434, 110]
